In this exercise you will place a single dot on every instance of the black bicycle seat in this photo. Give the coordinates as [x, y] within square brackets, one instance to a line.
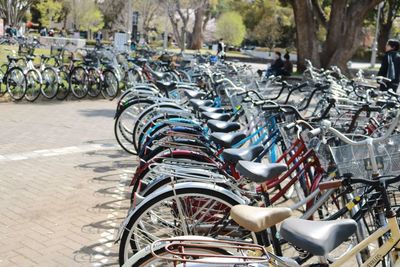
[216, 116]
[260, 172]
[233, 155]
[227, 140]
[317, 237]
[223, 126]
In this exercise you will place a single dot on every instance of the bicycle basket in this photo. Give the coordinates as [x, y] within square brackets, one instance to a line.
[357, 159]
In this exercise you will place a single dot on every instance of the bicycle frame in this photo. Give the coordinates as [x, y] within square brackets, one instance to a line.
[393, 242]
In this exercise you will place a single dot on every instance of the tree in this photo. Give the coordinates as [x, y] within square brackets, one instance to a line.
[343, 27]
[230, 27]
[13, 11]
[278, 20]
[86, 15]
[115, 14]
[201, 17]
[390, 11]
[179, 12]
[50, 11]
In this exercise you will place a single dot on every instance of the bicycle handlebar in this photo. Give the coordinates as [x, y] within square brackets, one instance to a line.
[357, 143]
[333, 184]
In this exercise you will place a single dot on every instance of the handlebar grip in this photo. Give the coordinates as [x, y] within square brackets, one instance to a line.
[330, 185]
[302, 85]
[314, 132]
[289, 126]
[374, 109]
[270, 108]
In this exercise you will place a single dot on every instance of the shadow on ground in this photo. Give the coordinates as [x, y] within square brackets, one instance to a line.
[108, 113]
[112, 175]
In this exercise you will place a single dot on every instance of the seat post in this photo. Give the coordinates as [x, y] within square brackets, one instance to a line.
[275, 242]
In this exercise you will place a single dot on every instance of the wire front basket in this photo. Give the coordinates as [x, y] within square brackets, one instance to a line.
[357, 159]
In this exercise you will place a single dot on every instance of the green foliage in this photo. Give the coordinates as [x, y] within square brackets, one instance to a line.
[86, 14]
[230, 27]
[50, 11]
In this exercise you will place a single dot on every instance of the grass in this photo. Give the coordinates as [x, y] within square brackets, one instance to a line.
[8, 50]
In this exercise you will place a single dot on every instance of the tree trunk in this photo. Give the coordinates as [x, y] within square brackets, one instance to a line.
[384, 35]
[306, 33]
[197, 35]
[344, 31]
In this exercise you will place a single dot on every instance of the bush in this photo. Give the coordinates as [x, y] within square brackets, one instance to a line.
[93, 42]
[231, 28]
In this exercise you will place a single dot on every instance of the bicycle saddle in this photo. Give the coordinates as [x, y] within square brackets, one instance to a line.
[233, 155]
[158, 75]
[75, 59]
[44, 57]
[227, 140]
[141, 60]
[223, 126]
[29, 57]
[216, 116]
[260, 172]
[194, 93]
[317, 237]
[196, 103]
[257, 219]
[211, 109]
[12, 58]
[165, 86]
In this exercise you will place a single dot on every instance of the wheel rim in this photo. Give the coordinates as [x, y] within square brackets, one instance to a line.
[50, 83]
[32, 85]
[16, 84]
[194, 208]
[78, 83]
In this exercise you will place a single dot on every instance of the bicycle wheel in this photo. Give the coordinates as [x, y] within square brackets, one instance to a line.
[78, 82]
[50, 83]
[133, 77]
[16, 83]
[63, 89]
[110, 85]
[33, 85]
[3, 89]
[125, 121]
[188, 209]
[93, 82]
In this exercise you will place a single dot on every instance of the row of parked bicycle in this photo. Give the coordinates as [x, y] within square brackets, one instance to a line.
[84, 72]
[238, 172]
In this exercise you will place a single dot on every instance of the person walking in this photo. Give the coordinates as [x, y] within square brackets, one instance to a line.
[99, 37]
[221, 49]
[390, 67]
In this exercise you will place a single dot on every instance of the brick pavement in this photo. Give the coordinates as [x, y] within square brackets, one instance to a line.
[61, 209]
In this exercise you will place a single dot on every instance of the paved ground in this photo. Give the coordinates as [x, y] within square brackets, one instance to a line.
[63, 184]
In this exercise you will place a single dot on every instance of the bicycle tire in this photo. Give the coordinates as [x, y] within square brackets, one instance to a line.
[78, 82]
[139, 213]
[3, 88]
[121, 128]
[50, 83]
[16, 83]
[33, 85]
[110, 86]
[133, 77]
[94, 82]
[63, 89]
